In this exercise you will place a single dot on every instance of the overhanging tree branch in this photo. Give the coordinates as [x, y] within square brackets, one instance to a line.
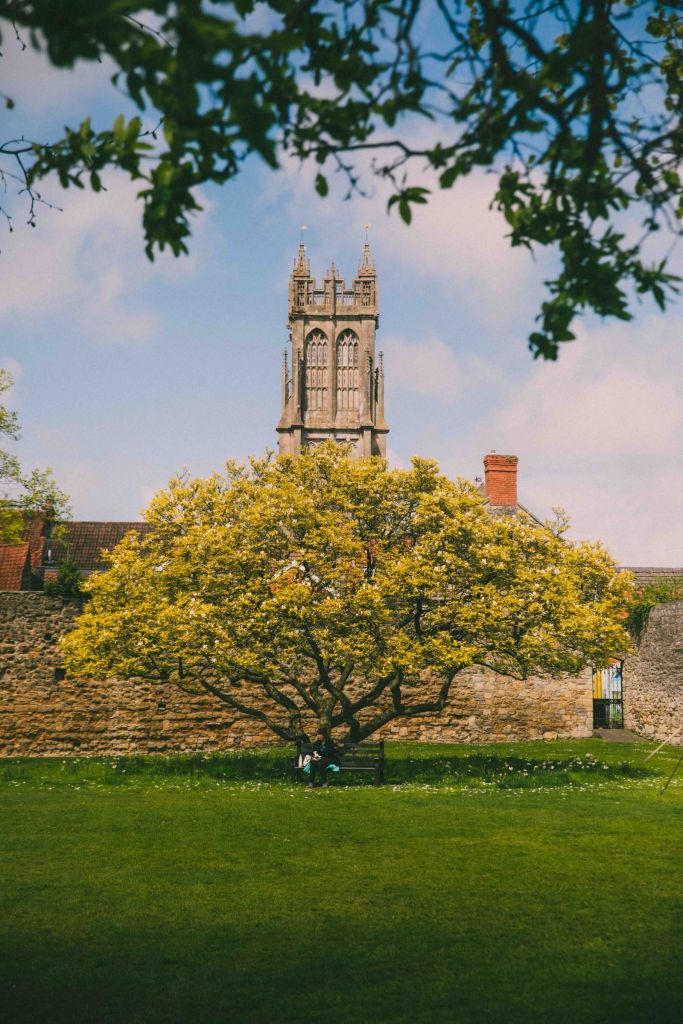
[548, 105]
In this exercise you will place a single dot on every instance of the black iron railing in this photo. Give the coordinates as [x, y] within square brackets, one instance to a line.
[608, 713]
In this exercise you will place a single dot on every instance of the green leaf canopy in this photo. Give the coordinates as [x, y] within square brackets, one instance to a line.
[576, 108]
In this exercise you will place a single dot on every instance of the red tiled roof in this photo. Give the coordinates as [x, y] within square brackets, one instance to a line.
[644, 574]
[85, 542]
[15, 566]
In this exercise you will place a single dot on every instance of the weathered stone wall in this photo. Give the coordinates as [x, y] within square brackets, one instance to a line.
[485, 707]
[41, 715]
[653, 676]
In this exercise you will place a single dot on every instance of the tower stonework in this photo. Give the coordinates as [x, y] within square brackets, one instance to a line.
[332, 381]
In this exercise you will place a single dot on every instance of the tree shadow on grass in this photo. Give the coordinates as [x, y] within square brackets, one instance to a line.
[512, 772]
[475, 770]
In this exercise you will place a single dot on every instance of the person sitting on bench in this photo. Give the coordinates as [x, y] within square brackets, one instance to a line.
[323, 754]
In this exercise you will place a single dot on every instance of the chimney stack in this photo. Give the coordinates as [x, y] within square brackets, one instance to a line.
[37, 524]
[500, 479]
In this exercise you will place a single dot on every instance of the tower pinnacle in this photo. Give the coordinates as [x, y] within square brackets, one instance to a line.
[366, 267]
[302, 267]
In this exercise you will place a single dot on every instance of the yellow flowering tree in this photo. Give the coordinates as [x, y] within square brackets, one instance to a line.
[321, 591]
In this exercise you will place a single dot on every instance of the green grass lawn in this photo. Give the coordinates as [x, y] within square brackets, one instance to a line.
[517, 883]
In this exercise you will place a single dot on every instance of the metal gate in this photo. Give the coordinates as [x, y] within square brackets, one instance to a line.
[608, 696]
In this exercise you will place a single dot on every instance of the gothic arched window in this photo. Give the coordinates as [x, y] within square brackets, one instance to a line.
[347, 371]
[316, 371]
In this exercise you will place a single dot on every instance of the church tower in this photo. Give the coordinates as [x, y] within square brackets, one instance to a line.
[332, 382]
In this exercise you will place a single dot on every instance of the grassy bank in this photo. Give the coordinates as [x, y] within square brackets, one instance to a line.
[523, 883]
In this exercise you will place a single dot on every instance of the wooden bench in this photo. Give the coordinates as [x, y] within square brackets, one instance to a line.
[353, 757]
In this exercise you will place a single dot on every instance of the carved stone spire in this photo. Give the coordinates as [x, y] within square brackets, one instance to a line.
[302, 266]
[285, 381]
[380, 421]
[286, 394]
[366, 267]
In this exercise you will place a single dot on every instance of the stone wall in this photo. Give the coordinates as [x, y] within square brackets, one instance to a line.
[41, 714]
[653, 676]
[487, 708]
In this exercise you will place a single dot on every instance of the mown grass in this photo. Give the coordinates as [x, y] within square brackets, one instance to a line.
[192, 891]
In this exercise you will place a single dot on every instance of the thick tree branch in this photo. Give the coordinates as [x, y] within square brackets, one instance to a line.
[249, 711]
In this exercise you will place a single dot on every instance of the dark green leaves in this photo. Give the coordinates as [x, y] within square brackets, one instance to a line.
[404, 198]
[576, 107]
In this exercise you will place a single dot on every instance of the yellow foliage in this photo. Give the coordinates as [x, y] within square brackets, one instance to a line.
[327, 587]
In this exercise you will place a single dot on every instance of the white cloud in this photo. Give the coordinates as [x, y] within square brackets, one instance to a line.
[455, 239]
[458, 240]
[37, 87]
[10, 397]
[116, 489]
[396, 460]
[613, 395]
[600, 435]
[427, 367]
[431, 369]
[12, 366]
[636, 511]
[88, 262]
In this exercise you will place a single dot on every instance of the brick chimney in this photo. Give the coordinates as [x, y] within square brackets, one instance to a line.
[35, 532]
[500, 479]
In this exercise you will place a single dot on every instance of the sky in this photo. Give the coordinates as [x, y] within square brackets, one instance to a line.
[127, 372]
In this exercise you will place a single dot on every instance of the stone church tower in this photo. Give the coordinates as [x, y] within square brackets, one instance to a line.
[334, 386]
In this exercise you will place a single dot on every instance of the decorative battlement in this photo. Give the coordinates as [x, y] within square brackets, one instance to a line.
[307, 296]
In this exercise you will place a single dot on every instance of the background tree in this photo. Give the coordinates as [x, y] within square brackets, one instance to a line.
[321, 590]
[68, 581]
[576, 105]
[21, 492]
[661, 591]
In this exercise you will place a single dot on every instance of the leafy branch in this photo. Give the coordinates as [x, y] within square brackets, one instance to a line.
[577, 108]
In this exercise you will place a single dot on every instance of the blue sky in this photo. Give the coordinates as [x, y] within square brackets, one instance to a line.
[127, 371]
